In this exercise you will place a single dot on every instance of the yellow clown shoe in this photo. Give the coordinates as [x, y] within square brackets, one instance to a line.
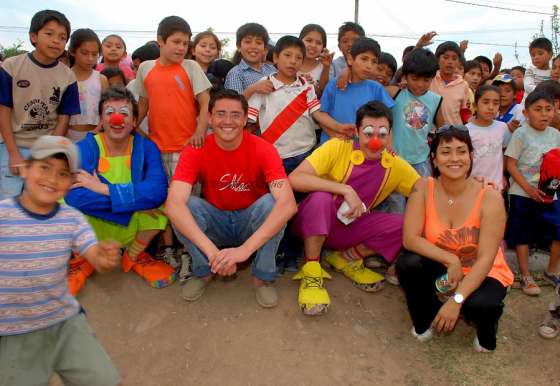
[313, 298]
[362, 277]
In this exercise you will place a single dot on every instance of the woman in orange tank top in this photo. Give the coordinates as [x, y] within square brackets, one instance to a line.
[454, 224]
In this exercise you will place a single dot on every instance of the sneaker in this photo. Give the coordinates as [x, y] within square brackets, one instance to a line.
[194, 288]
[375, 262]
[313, 298]
[362, 277]
[267, 296]
[478, 347]
[423, 337]
[185, 271]
[391, 275]
[169, 256]
[550, 327]
[529, 287]
[79, 269]
[552, 278]
[156, 273]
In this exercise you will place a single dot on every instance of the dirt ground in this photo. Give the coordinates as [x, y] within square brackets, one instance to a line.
[156, 338]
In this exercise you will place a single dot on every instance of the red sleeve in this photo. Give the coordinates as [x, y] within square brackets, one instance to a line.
[271, 163]
[188, 167]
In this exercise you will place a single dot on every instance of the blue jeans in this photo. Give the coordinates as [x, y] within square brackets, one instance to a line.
[10, 185]
[233, 228]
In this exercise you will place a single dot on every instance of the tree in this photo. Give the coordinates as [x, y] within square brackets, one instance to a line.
[15, 49]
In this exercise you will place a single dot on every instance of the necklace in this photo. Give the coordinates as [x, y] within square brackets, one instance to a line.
[450, 202]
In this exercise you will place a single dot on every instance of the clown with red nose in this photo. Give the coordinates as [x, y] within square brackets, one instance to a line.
[348, 180]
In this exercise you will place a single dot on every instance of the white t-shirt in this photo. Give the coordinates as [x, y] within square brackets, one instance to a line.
[488, 143]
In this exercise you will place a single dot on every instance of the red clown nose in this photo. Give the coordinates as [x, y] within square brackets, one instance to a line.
[116, 119]
[375, 144]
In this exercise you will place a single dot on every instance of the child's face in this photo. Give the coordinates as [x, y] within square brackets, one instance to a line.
[485, 70]
[206, 51]
[488, 105]
[49, 41]
[47, 180]
[116, 80]
[363, 66]
[377, 128]
[555, 71]
[113, 129]
[518, 76]
[288, 62]
[418, 85]
[384, 74]
[540, 58]
[345, 43]
[313, 44]
[448, 62]
[174, 49]
[113, 50]
[86, 55]
[473, 77]
[540, 114]
[252, 49]
[507, 94]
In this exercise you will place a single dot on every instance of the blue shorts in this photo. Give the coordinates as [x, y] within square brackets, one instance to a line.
[10, 185]
[530, 222]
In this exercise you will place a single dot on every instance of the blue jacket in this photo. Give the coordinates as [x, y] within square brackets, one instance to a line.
[148, 189]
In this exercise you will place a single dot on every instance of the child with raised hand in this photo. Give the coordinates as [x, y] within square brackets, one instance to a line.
[488, 136]
[510, 112]
[540, 50]
[45, 330]
[348, 33]
[317, 60]
[528, 219]
[84, 50]
[113, 49]
[38, 94]
[246, 77]
[518, 73]
[416, 112]
[473, 76]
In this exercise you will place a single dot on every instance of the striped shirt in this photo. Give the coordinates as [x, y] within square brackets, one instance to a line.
[34, 254]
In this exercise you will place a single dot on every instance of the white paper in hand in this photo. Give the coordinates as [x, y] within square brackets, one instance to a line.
[343, 209]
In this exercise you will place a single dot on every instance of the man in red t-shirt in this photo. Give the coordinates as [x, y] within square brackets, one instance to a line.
[248, 201]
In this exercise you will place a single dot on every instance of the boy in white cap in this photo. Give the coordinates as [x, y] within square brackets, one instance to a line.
[42, 327]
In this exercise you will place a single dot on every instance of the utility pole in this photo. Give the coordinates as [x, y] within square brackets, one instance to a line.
[555, 29]
[356, 10]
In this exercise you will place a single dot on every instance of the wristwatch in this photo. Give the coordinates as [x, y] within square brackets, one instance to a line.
[458, 298]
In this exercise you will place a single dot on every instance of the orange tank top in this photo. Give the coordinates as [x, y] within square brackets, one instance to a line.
[462, 241]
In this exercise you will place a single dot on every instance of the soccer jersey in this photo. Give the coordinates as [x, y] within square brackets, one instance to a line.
[171, 92]
[231, 180]
[34, 254]
[37, 94]
[285, 116]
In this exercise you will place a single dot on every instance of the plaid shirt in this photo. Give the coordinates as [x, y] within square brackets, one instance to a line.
[242, 76]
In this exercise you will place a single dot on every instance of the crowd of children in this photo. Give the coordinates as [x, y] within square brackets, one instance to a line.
[333, 122]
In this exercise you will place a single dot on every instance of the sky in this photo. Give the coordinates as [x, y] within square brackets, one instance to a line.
[394, 24]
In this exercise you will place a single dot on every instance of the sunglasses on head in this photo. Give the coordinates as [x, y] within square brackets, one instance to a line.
[446, 128]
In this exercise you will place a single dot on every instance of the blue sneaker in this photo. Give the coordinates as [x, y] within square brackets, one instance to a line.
[552, 278]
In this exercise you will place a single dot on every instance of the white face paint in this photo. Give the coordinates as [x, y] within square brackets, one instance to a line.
[381, 132]
[109, 110]
[124, 111]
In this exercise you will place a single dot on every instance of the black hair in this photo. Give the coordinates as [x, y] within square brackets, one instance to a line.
[350, 26]
[41, 18]
[287, 42]
[114, 36]
[512, 84]
[445, 136]
[148, 51]
[551, 87]
[448, 46]
[314, 28]
[536, 96]
[374, 109]
[171, 24]
[470, 64]
[111, 72]
[420, 62]
[59, 156]
[270, 52]
[251, 29]
[542, 43]
[117, 93]
[485, 88]
[81, 36]
[406, 51]
[389, 60]
[228, 94]
[519, 68]
[365, 45]
[483, 59]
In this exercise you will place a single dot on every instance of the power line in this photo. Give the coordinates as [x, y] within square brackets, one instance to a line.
[516, 4]
[495, 7]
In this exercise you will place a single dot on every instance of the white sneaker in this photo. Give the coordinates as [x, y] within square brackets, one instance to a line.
[185, 272]
[423, 337]
[169, 257]
[478, 347]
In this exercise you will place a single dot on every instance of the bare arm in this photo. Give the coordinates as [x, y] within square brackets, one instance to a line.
[61, 125]
[327, 122]
[104, 83]
[142, 108]
[515, 173]
[15, 160]
[104, 256]
[197, 139]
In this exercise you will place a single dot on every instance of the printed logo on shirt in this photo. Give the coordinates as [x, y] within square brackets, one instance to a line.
[38, 111]
[416, 114]
[23, 83]
[180, 82]
[55, 97]
[234, 182]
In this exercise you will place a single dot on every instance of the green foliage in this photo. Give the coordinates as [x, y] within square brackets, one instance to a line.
[14, 50]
